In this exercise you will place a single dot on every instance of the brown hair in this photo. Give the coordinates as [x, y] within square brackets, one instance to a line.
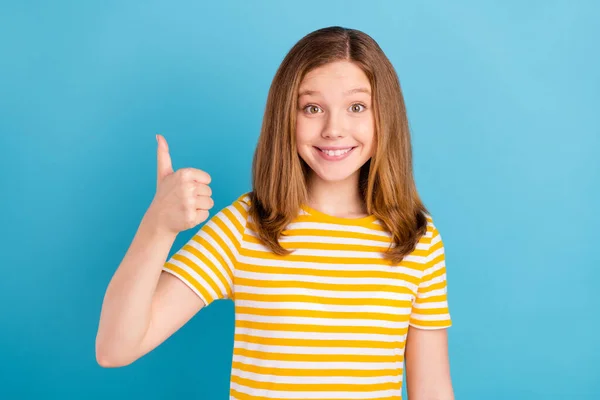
[279, 175]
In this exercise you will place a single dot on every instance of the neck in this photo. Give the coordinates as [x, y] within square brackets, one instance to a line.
[339, 198]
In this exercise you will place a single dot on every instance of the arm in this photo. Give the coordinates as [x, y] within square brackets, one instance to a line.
[427, 365]
[142, 306]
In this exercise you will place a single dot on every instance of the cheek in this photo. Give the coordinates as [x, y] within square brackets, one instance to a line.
[365, 132]
[304, 130]
[302, 137]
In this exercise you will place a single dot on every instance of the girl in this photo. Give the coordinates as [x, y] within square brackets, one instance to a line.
[335, 265]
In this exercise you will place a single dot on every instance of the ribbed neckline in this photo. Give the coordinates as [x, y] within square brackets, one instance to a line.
[369, 219]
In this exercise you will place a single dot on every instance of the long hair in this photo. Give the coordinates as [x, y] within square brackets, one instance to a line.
[386, 182]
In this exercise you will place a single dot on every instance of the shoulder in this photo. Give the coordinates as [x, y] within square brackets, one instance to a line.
[238, 206]
[431, 232]
[430, 241]
[235, 212]
[244, 200]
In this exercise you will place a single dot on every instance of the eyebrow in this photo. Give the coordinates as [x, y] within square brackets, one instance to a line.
[349, 92]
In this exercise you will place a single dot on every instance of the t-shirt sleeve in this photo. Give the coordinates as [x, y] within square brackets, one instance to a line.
[206, 263]
[430, 307]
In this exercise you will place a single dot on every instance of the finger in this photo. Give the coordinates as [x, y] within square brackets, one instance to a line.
[164, 164]
[204, 203]
[194, 174]
[201, 216]
[201, 189]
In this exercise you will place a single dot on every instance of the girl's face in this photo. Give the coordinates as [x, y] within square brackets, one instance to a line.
[335, 121]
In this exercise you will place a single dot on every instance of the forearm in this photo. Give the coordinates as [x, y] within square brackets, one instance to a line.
[127, 305]
[430, 390]
[448, 396]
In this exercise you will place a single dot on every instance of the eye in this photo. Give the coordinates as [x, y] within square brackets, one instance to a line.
[356, 107]
[311, 109]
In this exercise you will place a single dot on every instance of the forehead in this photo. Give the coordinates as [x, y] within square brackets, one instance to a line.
[340, 74]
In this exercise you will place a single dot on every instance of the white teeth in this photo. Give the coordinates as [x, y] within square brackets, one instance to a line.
[336, 152]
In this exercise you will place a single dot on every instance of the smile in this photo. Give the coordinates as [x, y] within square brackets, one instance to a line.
[334, 154]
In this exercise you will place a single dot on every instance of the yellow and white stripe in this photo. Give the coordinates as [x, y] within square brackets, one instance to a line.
[328, 321]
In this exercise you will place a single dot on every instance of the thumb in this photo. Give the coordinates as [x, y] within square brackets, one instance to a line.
[163, 158]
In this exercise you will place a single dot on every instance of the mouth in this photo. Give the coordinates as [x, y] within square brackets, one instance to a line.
[334, 153]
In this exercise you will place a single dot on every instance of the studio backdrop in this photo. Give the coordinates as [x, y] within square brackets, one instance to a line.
[502, 100]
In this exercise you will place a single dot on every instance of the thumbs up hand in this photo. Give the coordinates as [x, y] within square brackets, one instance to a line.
[183, 197]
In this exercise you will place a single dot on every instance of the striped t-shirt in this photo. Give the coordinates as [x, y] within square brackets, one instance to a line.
[328, 321]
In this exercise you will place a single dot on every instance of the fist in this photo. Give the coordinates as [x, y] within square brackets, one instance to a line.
[183, 197]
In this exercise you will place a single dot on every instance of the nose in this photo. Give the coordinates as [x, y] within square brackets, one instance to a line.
[334, 127]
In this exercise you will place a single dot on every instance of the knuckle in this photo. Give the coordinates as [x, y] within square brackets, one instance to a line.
[186, 173]
[190, 204]
[191, 219]
[184, 208]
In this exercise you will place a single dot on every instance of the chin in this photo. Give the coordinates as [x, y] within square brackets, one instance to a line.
[335, 177]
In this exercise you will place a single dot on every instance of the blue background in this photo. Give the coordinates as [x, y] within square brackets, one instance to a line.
[503, 100]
